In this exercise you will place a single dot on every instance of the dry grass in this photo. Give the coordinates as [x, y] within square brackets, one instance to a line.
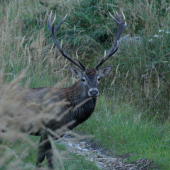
[19, 51]
[141, 73]
[19, 119]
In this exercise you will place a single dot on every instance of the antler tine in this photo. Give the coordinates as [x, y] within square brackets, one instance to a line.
[53, 31]
[121, 25]
[48, 21]
[124, 17]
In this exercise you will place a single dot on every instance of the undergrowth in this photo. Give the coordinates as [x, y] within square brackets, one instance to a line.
[120, 129]
[140, 75]
[141, 67]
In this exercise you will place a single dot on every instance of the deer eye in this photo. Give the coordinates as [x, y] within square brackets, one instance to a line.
[83, 79]
[98, 78]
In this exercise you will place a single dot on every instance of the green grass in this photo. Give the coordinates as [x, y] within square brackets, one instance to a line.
[119, 128]
[133, 115]
[27, 157]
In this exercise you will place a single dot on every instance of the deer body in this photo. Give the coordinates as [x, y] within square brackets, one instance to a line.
[81, 97]
[74, 96]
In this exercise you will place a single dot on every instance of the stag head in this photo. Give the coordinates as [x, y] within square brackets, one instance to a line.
[90, 78]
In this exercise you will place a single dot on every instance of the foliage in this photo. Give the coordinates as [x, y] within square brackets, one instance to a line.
[120, 129]
[140, 74]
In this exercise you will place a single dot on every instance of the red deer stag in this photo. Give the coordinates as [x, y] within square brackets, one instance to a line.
[85, 88]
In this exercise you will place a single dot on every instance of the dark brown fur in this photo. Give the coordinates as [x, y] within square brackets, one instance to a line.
[74, 96]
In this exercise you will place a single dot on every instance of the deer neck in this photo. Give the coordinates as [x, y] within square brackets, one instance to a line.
[83, 105]
[79, 93]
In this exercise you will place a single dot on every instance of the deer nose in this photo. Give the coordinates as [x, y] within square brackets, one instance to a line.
[93, 92]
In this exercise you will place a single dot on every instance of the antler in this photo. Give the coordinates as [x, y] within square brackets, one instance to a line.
[121, 25]
[53, 31]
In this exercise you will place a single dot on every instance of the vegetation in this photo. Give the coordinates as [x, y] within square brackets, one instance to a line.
[133, 111]
[120, 129]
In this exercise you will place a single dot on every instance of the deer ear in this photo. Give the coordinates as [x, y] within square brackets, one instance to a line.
[105, 71]
[75, 72]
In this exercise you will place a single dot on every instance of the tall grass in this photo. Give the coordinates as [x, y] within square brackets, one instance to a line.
[140, 74]
[121, 130]
[23, 46]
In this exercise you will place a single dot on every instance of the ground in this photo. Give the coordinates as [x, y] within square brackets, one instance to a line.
[100, 157]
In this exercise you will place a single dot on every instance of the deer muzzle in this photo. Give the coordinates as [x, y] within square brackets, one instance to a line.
[93, 92]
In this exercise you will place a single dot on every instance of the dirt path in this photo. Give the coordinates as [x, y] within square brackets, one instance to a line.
[100, 158]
